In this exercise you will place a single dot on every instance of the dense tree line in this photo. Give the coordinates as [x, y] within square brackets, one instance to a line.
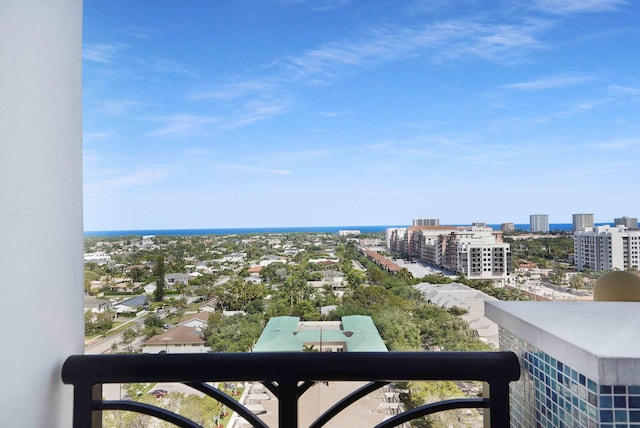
[97, 323]
[541, 251]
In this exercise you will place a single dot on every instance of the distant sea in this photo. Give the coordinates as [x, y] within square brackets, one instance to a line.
[554, 227]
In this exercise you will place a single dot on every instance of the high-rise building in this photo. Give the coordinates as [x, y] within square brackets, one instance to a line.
[607, 248]
[478, 224]
[426, 222]
[507, 227]
[539, 223]
[582, 221]
[629, 222]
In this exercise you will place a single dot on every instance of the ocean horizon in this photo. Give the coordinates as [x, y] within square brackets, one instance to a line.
[554, 227]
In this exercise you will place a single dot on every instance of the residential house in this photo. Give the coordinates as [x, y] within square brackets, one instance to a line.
[253, 279]
[270, 258]
[131, 305]
[172, 280]
[150, 288]
[198, 320]
[255, 270]
[180, 339]
[210, 305]
[333, 277]
[97, 306]
[121, 285]
[234, 257]
[99, 257]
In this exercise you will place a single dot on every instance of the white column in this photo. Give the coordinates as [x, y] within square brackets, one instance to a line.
[41, 320]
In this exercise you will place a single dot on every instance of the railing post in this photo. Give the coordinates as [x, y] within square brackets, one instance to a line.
[288, 404]
[497, 415]
[83, 405]
[96, 415]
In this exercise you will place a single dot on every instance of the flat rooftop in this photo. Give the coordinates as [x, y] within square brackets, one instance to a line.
[464, 297]
[599, 339]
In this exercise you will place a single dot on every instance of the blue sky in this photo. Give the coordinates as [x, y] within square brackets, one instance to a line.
[255, 113]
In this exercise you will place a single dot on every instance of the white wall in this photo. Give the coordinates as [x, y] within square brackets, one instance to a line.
[40, 207]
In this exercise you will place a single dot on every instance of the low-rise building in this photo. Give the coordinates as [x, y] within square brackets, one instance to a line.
[131, 305]
[172, 280]
[180, 339]
[348, 232]
[98, 257]
[355, 333]
[198, 320]
[97, 306]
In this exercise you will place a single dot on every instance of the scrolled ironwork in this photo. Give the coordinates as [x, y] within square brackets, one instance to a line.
[289, 374]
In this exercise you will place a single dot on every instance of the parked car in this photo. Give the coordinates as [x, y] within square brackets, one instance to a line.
[158, 393]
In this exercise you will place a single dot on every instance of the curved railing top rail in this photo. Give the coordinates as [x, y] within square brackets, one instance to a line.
[355, 366]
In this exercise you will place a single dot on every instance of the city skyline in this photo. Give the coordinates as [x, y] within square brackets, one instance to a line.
[298, 113]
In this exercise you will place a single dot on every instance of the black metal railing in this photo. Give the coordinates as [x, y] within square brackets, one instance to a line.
[288, 375]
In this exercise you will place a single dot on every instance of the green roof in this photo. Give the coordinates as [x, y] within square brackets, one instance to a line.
[366, 342]
[358, 334]
[359, 323]
[278, 336]
[282, 324]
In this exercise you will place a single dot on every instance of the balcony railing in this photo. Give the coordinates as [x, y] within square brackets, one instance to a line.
[288, 375]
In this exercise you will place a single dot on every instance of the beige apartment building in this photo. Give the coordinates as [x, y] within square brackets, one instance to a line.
[477, 252]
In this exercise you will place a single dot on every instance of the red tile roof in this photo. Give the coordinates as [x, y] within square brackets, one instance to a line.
[382, 261]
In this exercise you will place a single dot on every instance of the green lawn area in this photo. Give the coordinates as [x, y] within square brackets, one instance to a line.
[224, 421]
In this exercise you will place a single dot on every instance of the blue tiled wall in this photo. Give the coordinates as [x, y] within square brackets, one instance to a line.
[551, 393]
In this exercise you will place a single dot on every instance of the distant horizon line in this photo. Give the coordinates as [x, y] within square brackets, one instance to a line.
[284, 229]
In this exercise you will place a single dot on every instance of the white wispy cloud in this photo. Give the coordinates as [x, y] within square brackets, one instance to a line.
[301, 156]
[316, 5]
[499, 43]
[138, 178]
[575, 109]
[453, 39]
[167, 66]
[90, 157]
[254, 111]
[245, 169]
[183, 125]
[246, 113]
[428, 6]
[573, 6]
[614, 95]
[100, 52]
[333, 113]
[116, 107]
[552, 82]
[135, 32]
[92, 136]
[623, 91]
[588, 172]
[616, 145]
[233, 90]
[258, 99]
